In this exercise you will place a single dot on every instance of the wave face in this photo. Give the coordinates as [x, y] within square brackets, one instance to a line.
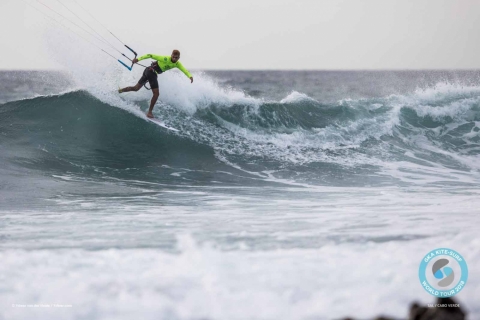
[77, 133]
[427, 135]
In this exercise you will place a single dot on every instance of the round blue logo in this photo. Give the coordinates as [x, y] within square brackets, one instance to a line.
[443, 272]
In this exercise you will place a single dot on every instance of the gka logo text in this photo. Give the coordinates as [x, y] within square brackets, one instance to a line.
[443, 272]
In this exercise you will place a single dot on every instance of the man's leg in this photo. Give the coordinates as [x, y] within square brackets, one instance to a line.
[156, 93]
[127, 89]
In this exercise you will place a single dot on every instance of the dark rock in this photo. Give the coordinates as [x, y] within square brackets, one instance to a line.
[444, 309]
[416, 311]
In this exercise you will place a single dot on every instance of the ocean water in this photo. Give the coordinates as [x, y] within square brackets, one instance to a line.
[285, 195]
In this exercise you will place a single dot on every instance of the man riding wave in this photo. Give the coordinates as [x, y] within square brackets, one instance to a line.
[160, 65]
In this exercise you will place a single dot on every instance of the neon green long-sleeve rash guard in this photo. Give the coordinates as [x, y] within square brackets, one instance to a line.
[165, 63]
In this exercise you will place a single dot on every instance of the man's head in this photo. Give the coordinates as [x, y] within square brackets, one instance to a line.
[175, 55]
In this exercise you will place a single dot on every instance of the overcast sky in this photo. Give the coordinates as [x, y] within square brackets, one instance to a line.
[264, 34]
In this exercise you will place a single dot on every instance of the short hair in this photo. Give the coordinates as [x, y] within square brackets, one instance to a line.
[175, 52]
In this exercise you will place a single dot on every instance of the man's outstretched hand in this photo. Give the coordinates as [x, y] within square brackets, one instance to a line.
[135, 60]
[191, 79]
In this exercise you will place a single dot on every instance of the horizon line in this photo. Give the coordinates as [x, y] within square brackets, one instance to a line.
[339, 70]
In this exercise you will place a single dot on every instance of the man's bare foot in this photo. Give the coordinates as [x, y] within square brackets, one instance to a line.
[150, 115]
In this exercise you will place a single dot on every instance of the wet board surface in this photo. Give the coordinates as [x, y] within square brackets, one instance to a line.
[161, 124]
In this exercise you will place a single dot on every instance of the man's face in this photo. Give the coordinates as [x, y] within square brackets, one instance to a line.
[175, 57]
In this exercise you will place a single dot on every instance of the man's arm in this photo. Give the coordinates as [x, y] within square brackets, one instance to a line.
[151, 56]
[185, 71]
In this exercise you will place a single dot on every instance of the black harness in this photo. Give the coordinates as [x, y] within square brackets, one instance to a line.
[155, 68]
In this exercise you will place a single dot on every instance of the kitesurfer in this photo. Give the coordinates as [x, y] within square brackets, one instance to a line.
[160, 65]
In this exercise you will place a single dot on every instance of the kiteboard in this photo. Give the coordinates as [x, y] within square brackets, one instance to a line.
[161, 124]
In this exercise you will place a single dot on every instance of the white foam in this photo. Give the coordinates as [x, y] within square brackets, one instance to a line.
[204, 282]
[295, 96]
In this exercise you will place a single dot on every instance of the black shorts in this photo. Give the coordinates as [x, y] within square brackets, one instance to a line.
[150, 76]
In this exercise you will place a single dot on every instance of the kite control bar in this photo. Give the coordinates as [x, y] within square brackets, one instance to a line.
[129, 68]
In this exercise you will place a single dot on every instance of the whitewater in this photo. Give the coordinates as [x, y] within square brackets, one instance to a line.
[285, 194]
